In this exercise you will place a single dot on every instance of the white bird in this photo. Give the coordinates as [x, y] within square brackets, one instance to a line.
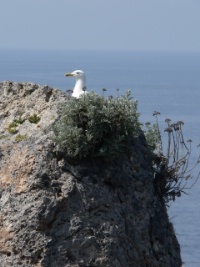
[79, 88]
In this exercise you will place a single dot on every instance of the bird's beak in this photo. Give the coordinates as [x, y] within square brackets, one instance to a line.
[69, 74]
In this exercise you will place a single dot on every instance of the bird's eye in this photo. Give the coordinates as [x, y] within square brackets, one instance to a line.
[77, 72]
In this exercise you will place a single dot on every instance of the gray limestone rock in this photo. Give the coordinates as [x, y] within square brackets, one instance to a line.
[90, 213]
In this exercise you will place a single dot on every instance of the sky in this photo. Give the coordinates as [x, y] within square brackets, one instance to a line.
[144, 25]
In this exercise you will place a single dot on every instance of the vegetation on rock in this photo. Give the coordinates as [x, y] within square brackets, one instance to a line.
[96, 126]
[34, 119]
[12, 127]
[19, 121]
[20, 138]
[56, 213]
[172, 168]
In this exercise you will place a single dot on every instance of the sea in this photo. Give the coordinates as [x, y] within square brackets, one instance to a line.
[167, 82]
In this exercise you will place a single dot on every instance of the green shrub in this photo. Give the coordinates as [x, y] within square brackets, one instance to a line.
[20, 138]
[19, 121]
[2, 136]
[34, 118]
[96, 126]
[12, 128]
[152, 136]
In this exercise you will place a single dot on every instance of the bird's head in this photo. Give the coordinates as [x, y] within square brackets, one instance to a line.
[77, 74]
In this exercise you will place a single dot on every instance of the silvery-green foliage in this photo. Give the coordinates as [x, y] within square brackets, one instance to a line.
[153, 136]
[96, 126]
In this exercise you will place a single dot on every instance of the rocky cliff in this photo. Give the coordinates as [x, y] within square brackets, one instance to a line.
[58, 214]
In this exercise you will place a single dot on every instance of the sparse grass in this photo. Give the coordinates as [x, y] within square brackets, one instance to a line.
[12, 128]
[34, 119]
[20, 138]
[19, 121]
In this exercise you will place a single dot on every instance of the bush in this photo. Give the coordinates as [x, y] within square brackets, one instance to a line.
[34, 119]
[96, 126]
[19, 121]
[20, 138]
[12, 128]
[152, 136]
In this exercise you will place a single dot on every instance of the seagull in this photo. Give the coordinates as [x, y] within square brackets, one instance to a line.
[79, 88]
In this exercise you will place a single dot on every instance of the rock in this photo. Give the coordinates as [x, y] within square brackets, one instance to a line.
[55, 213]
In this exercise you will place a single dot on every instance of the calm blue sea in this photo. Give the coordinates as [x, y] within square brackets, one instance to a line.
[164, 82]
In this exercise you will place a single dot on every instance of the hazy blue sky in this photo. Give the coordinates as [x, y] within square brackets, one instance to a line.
[101, 24]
